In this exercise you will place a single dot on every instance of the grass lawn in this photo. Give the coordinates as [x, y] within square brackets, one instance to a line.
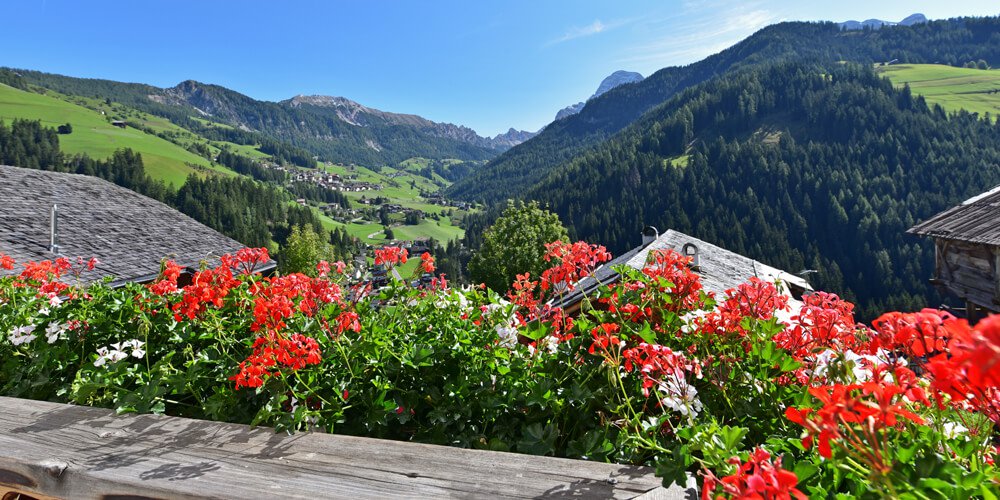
[92, 134]
[974, 90]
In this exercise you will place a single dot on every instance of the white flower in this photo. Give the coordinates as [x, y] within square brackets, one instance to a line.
[53, 331]
[55, 301]
[44, 311]
[680, 396]
[508, 335]
[548, 343]
[21, 335]
[117, 352]
[953, 430]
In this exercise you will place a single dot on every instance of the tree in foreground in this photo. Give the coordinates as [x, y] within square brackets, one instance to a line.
[303, 251]
[515, 244]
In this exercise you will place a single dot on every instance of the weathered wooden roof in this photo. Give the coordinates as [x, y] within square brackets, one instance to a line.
[127, 232]
[720, 269]
[976, 220]
[66, 451]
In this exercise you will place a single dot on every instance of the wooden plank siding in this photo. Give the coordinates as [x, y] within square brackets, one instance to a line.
[969, 271]
[50, 450]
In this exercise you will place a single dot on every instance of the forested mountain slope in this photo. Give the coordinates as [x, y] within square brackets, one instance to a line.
[949, 42]
[795, 165]
[316, 129]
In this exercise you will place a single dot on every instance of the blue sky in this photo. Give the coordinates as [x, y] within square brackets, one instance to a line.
[489, 65]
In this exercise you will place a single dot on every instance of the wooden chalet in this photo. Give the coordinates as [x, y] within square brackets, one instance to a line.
[719, 269]
[46, 215]
[967, 252]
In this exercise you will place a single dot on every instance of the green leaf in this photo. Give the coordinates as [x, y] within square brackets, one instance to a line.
[646, 333]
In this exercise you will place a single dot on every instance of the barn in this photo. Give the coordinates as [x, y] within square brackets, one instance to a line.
[967, 252]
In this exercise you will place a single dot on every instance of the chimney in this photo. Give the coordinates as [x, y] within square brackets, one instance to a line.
[54, 230]
[649, 235]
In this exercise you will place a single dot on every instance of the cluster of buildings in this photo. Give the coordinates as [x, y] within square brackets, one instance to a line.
[333, 181]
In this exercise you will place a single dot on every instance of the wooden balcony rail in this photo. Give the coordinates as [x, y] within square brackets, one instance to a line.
[50, 450]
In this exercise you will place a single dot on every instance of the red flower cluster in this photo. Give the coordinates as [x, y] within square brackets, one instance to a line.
[6, 262]
[390, 256]
[971, 374]
[246, 260]
[605, 336]
[427, 262]
[348, 320]
[855, 415]
[756, 299]
[575, 261]
[522, 292]
[916, 334]
[824, 322]
[672, 274]
[656, 363]
[167, 282]
[757, 478]
[275, 299]
[271, 354]
[208, 288]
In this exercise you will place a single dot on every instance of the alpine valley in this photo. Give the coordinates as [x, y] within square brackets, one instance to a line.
[803, 146]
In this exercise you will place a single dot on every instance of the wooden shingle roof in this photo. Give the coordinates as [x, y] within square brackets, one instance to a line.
[719, 269]
[976, 220]
[127, 232]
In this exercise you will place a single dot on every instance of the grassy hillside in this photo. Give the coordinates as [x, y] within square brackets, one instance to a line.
[402, 186]
[92, 134]
[974, 90]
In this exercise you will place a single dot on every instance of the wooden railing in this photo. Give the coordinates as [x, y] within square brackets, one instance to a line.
[50, 450]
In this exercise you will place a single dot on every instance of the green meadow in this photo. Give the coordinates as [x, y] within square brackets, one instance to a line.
[95, 136]
[974, 90]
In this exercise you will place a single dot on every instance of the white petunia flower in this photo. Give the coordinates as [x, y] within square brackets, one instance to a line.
[681, 397]
[21, 335]
[53, 331]
[508, 335]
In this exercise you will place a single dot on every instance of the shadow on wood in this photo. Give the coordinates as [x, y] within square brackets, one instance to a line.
[63, 451]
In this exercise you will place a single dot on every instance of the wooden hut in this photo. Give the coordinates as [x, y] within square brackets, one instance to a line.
[967, 252]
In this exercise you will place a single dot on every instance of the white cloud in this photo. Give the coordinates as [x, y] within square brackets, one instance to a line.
[701, 34]
[591, 29]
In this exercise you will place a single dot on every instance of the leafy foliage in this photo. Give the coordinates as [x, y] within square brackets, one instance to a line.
[515, 244]
[752, 397]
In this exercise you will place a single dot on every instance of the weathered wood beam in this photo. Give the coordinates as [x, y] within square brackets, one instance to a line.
[50, 450]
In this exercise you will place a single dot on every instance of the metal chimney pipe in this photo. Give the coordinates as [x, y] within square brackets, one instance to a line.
[649, 235]
[54, 230]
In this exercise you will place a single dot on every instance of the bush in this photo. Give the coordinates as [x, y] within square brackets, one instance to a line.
[754, 397]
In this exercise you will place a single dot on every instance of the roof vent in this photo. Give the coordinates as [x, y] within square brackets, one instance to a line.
[54, 230]
[690, 250]
[649, 235]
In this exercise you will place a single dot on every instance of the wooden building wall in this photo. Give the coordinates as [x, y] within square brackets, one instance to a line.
[969, 271]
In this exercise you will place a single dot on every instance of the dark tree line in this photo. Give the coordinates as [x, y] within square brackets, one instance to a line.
[314, 192]
[246, 166]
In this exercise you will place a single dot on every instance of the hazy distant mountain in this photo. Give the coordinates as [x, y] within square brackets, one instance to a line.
[878, 23]
[363, 116]
[511, 138]
[614, 80]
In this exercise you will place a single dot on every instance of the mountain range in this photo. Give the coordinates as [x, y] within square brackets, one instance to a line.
[878, 23]
[331, 128]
